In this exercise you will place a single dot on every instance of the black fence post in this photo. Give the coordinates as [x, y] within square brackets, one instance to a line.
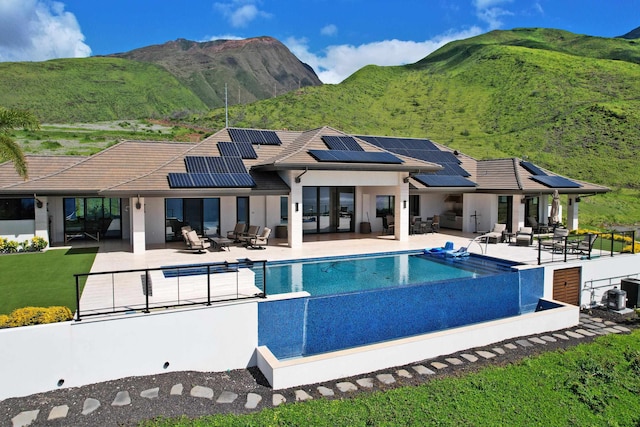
[613, 237]
[264, 279]
[208, 284]
[146, 294]
[539, 250]
[77, 298]
[633, 241]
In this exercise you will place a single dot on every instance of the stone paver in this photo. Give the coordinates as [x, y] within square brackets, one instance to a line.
[365, 382]
[609, 323]
[593, 325]
[202, 392]
[90, 405]
[585, 332]
[386, 378]
[439, 365]
[547, 338]
[404, 373]
[454, 361]
[253, 399]
[498, 350]
[469, 357]
[622, 328]
[176, 390]
[572, 334]
[325, 391]
[346, 386]
[58, 412]
[227, 397]
[122, 399]
[423, 370]
[25, 418]
[561, 336]
[537, 340]
[151, 393]
[510, 346]
[277, 399]
[302, 395]
[485, 354]
[612, 330]
[524, 343]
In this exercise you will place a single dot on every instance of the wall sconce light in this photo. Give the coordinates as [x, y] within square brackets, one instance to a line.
[404, 204]
[523, 200]
[138, 204]
[297, 206]
[39, 203]
[405, 179]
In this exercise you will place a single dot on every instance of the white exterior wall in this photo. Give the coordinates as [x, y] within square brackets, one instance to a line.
[137, 217]
[596, 269]
[485, 206]
[154, 220]
[18, 230]
[91, 351]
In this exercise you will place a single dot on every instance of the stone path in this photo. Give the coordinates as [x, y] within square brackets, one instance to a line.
[588, 327]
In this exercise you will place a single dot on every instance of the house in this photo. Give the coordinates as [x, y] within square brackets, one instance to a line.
[296, 182]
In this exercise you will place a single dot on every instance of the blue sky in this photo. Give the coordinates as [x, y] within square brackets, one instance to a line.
[335, 37]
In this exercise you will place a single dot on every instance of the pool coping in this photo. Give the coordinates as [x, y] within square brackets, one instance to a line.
[282, 374]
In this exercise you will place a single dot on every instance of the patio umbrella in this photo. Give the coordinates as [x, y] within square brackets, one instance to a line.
[555, 208]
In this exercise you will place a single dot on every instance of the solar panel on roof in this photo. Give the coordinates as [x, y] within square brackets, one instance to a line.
[555, 181]
[444, 180]
[532, 168]
[346, 143]
[354, 156]
[196, 164]
[180, 180]
[261, 137]
[243, 150]
[391, 144]
[210, 180]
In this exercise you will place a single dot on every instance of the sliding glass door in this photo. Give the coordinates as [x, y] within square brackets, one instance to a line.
[202, 215]
[93, 217]
[327, 209]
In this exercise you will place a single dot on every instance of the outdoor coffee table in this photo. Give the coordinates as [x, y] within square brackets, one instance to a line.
[221, 243]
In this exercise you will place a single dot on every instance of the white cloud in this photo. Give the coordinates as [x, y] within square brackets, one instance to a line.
[489, 11]
[329, 30]
[241, 12]
[340, 61]
[34, 30]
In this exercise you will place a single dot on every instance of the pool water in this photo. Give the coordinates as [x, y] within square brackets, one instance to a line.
[343, 275]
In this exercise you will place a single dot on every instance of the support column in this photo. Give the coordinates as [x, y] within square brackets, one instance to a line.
[401, 211]
[295, 216]
[572, 213]
[41, 218]
[137, 220]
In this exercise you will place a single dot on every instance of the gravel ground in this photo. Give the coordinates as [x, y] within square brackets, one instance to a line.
[241, 382]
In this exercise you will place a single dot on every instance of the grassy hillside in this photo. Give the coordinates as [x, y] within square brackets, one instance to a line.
[506, 93]
[93, 89]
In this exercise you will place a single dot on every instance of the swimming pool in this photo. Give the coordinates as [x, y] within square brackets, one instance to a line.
[367, 272]
[346, 316]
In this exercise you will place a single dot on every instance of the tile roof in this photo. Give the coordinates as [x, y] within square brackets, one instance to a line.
[38, 166]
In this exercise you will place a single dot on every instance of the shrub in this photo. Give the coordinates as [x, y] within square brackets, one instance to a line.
[4, 320]
[10, 246]
[38, 243]
[36, 316]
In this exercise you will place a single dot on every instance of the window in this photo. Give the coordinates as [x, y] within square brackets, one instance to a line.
[95, 216]
[242, 210]
[284, 210]
[202, 215]
[384, 205]
[414, 205]
[14, 209]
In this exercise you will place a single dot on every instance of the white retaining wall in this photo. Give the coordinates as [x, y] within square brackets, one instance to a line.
[35, 358]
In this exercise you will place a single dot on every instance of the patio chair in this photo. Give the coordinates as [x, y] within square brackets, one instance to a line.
[539, 228]
[585, 245]
[495, 235]
[416, 227]
[435, 223]
[524, 236]
[196, 243]
[258, 242]
[557, 242]
[388, 224]
[251, 232]
[236, 232]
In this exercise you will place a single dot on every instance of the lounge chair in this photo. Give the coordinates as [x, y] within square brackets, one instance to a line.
[195, 243]
[258, 242]
[585, 245]
[524, 236]
[557, 242]
[539, 228]
[236, 232]
[251, 232]
[496, 234]
[435, 223]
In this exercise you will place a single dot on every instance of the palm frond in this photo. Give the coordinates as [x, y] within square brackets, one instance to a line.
[10, 150]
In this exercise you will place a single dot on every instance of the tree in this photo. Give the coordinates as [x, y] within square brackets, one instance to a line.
[9, 149]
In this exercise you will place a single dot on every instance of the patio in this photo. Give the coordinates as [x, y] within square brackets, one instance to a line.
[125, 291]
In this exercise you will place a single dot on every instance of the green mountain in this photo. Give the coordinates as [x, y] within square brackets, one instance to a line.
[93, 89]
[253, 69]
[569, 102]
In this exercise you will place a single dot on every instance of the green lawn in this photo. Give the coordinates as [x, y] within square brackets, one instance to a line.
[42, 279]
[593, 384]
